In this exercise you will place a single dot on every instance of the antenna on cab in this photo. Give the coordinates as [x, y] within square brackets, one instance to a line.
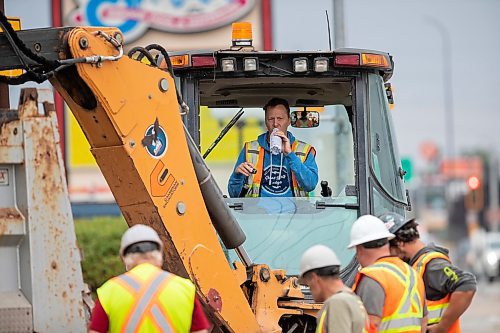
[329, 33]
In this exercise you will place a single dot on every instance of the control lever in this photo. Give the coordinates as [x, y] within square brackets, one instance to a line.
[326, 191]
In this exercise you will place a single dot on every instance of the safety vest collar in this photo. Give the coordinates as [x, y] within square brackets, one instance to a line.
[420, 264]
[254, 154]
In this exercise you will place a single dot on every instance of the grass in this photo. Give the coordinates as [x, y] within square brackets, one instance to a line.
[99, 241]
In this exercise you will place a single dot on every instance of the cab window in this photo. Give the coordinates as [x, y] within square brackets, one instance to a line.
[384, 156]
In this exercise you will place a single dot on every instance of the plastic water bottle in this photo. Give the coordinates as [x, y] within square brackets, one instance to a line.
[275, 143]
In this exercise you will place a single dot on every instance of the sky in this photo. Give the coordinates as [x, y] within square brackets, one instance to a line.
[409, 31]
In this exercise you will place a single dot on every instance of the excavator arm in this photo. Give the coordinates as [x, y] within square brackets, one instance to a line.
[130, 113]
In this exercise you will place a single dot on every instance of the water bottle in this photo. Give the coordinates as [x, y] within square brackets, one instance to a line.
[275, 143]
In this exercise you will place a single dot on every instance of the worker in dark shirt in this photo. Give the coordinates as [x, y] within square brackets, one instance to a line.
[449, 290]
[391, 291]
[146, 298]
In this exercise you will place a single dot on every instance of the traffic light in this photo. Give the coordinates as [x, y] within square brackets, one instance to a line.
[474, 199]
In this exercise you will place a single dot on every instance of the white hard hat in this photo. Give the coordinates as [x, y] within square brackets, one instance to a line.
[317, 256]
[368, 228]
[139, 233]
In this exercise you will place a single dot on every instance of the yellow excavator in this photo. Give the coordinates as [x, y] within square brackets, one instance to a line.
[141, 115]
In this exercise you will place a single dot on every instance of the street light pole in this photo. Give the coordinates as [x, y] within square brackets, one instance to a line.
[338, 24]
[449, 122]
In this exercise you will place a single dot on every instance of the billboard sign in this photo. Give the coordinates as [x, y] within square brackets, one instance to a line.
[135, 17]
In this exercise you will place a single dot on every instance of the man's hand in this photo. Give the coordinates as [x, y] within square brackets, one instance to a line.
[436, 329]
[459, 302]
[285, 148]
[245, 168]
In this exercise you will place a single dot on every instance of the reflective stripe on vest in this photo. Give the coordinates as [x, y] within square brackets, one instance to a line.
[254, 154]
[301, 149]
[320, 328]
[404, 294]
[436, 308]
[147, 299]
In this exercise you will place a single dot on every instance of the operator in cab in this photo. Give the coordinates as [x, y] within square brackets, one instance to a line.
[276, 164]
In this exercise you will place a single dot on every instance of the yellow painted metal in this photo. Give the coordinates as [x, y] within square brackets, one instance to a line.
[15, 22]
[265, 298]
[127, 105]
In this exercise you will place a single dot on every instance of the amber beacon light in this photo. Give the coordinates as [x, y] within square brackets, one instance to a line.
[242, 34]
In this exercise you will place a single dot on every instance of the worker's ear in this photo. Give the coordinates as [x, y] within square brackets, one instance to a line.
[313, 277]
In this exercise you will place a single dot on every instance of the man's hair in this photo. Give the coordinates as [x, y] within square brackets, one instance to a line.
[407, 233]
[141, 247]
[328, 271]
[131, 259]
[278, 101]
[375, 243]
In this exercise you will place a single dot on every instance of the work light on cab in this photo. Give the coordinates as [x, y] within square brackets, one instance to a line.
[321, 64]
[250, 64]
[228, 64]
[300, 65]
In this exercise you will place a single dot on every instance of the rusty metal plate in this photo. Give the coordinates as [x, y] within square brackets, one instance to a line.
[215, 300]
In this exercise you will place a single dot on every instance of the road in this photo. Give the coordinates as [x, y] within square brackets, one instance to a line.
[484, 313]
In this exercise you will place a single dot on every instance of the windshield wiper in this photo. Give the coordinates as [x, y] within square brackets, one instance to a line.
[323, 205]
[224, 131]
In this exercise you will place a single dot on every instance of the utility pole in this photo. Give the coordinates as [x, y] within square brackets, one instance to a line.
[338, 24]
[449, 117]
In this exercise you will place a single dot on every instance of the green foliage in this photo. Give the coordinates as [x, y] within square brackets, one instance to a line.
[99, 242]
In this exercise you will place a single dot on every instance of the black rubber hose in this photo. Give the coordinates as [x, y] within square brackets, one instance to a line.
[142, 53]
[164, 52]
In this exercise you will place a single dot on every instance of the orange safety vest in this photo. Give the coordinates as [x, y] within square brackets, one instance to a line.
[148, 299]
[438, 307]
[254, 154]
[404, 295]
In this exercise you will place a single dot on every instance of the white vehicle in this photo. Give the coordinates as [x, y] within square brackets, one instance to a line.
[491, 256]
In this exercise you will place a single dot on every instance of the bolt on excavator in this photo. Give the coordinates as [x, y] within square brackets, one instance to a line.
[140, 112]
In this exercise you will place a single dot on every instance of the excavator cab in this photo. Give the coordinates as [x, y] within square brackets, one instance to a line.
[356, 149]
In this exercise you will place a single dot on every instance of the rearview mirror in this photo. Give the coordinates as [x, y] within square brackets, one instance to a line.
[304, 119]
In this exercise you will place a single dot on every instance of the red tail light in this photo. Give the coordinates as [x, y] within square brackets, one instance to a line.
[347, 60]
[202, 61]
